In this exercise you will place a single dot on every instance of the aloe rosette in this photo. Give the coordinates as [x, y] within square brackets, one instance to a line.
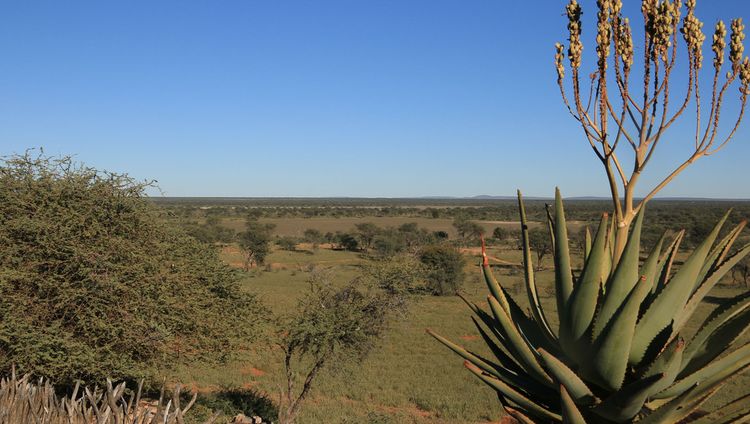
[618, 352]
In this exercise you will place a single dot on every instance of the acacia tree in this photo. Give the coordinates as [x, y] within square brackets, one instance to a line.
[638, 114]
[338, 325]
[255, 242]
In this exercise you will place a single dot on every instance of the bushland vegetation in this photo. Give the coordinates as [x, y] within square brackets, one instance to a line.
[97, 282]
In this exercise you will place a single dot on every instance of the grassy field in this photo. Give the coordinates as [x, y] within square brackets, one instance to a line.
[409, 377]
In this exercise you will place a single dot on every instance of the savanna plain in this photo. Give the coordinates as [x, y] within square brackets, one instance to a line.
[407, 377]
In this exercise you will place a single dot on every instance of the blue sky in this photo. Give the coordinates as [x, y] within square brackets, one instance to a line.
[320, 98]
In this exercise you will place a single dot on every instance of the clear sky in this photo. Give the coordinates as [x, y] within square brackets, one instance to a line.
[391, 98]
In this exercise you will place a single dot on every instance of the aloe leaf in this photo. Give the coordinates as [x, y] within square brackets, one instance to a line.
[671, 299]
[650, 267]
[717, 371]
[513, 395]
[531, 289]
[585, 294]
[537, 334]
[732, 412]
[586, 244]
[563, 272]
[500, 353]
[551, 227]
[718, 333]
[672, 411]
[518, 415]
[518, 345]
[719, 252]
[668, 363]
[710, 281]
[496, 370]
[570, 412]
[668, 261]
[612, 348]
[576, 387]
[625, 403]
[624, 278]
[491, 281]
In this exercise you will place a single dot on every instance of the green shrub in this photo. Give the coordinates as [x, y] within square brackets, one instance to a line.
[445, 269]
[95, 282]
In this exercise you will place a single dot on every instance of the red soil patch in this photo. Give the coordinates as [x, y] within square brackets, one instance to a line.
[255, 372]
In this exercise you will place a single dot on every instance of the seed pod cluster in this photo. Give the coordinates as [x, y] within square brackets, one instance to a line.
[719, 44]
[559, 48]
[736, 46]
[575, 49]
[693, 34]
[624, 44]
[603, 32]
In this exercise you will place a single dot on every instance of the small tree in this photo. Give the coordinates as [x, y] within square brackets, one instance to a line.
[641, 119]
[331, 325]
[314, 237]
[255, 242]
[540, 243]
[366, 233]
[287, 243]
[444, 268]
[500, 233]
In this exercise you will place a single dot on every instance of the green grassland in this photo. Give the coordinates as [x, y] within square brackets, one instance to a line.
[409, 377]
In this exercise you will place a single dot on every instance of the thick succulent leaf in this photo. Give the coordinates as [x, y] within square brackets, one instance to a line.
[665, 270]
[716, 371]
[519, 382]
[719, 252]
[650, 268]
[576, 387]
[528, 327]
[518, 345]
[563, 272]
[608, 263]
[734, 412]
[551, 227]
[586, 244]
[719, 333]
[586, 292]
[500, 353]
[624, 278]
[625, 403]
[710, 281]
[671, 299]
[518, 415]
[538, 335]
[667, 363]
[531, 288]
[677, 408]
[513, 395]
[612, 348]
[491, 281]
[570, 412]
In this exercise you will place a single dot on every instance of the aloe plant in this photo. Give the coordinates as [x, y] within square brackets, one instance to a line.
[619, 353]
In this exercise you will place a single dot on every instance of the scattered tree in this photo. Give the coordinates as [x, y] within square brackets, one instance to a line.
[255, 242]
[366, 233]
[330, 325]
[314, 237]
[540, 243]
[444, 269]
[287, 243]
